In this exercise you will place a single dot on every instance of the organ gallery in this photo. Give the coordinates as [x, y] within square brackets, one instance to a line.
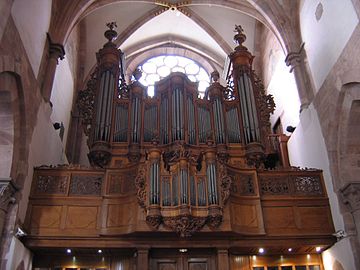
[178, 180]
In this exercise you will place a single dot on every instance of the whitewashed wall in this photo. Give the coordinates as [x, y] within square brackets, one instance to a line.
[32, 19]
[307, 149]
[326, 37]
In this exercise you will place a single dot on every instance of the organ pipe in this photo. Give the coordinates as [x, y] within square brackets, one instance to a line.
[243, 79]
[154, 175]
[108, 59]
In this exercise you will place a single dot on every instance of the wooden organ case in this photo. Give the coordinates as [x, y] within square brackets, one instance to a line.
[179, 171]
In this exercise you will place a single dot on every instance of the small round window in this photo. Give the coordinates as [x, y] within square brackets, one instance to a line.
[159, 67]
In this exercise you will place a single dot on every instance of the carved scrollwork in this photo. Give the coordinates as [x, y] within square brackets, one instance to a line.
[140, 184]
[86, 102]
[51, 184]
[225, 183]
[214, 221]
[154, 221]
[274, 186]
[308, 185]
[86, 185]
[266, 102]
[185, 225]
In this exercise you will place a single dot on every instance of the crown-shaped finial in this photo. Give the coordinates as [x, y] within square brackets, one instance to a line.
[111, 33]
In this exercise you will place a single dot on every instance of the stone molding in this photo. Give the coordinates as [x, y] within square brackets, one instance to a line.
[351, 196]
[56, 50]
[7, 193]
[294, 59]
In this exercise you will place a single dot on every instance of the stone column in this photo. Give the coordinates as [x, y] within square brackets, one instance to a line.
[223, 259]
[302, 78]
[56, 52]
[142, 259]
[7, 192]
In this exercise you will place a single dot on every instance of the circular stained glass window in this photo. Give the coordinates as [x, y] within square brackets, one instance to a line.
[157, 68]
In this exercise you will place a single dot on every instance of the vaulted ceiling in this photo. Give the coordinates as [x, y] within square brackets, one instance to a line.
[199, 29]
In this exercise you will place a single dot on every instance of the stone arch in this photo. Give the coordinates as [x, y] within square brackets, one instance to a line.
[13, 127]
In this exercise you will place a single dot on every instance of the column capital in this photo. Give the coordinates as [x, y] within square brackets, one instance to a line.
[295, 58]
[7, 193]
[350, 195]
[56, 50]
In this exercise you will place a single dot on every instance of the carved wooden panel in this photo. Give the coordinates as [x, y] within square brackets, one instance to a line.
[244, 215]
[281, 218]
[119, 215]
[308, 185]
[291, 183]
[314, 217]
[197, 265]
[81, 217]
[243, 184]
[121, 184]
[45, 216]
[274, 185]
[51, 184]
[167, 266]
[86, 185]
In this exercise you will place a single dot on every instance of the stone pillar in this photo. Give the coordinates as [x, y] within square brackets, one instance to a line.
[223, 259]
[142, 259]
[56, 51]
[302, 78]
[7, 192]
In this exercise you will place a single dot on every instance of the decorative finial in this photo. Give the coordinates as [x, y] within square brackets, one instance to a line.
[239, 29]
[239, 37]
[215, 76]
[137, 74]
[111, 25]
[111, 33]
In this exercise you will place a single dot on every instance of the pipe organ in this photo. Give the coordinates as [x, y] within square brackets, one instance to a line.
[176, 162]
